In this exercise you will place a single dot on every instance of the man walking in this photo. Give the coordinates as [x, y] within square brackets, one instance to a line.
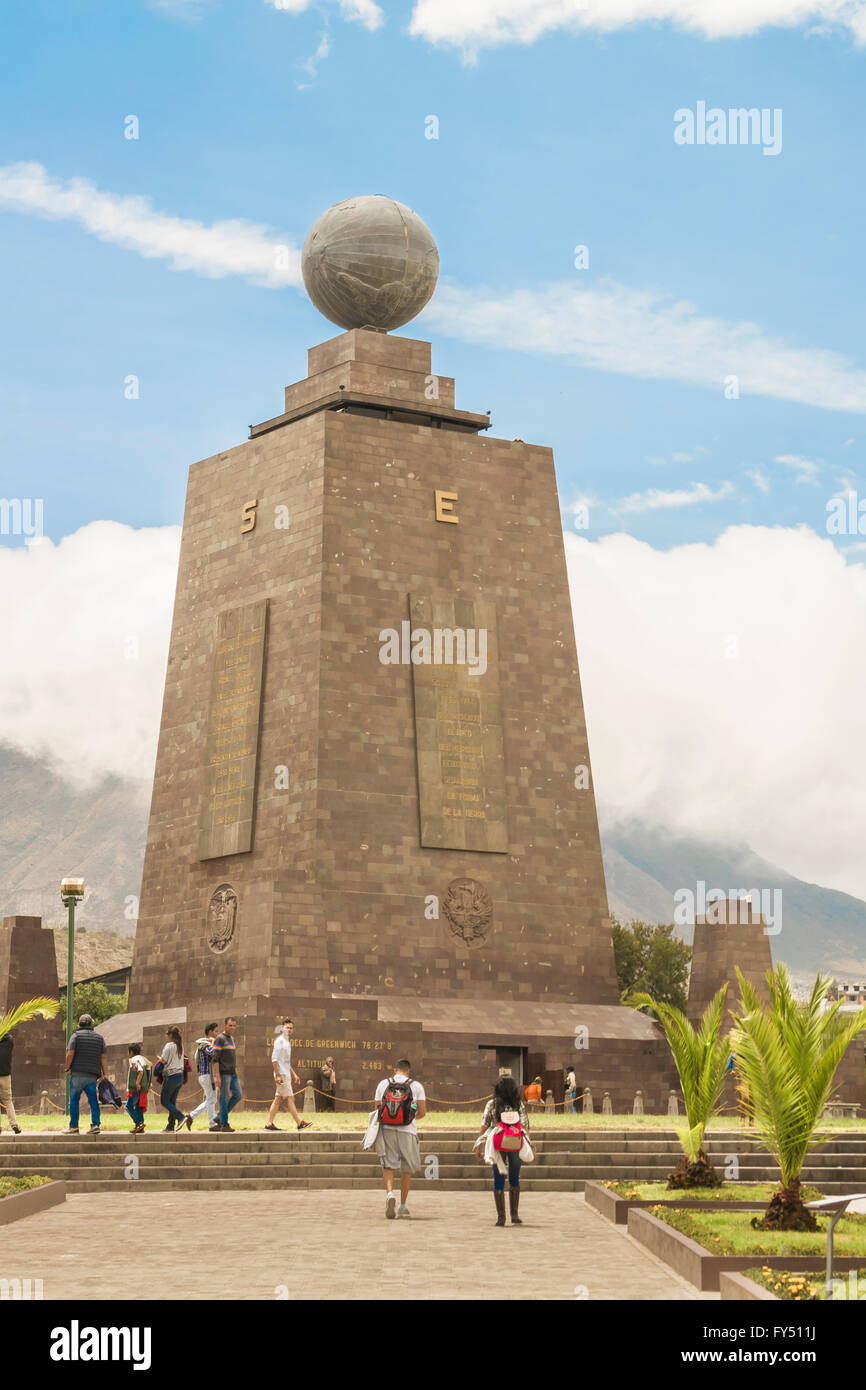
[85, 1062]
[400, 1101]
[6, 1046]
[284, 1075]
[204, 1057]
[225, 1074]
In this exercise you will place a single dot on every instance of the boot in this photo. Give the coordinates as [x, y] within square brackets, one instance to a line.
[513, 1202]
[499, 1199]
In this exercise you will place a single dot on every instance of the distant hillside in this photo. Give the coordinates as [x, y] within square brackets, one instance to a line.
[821, 928]
[47, 831]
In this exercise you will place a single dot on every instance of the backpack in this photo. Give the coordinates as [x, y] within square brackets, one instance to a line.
[145, 1081]
[203, 1047]
[397, 1104]
[508, 1135]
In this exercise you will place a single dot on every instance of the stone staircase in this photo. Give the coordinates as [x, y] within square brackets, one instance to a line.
[319, 1159]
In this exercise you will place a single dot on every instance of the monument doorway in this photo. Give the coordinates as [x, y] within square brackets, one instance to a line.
[512, 1058]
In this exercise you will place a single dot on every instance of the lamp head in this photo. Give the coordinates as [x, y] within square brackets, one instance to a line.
[71, 890]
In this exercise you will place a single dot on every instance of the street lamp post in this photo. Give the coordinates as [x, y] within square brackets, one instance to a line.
[71, 893]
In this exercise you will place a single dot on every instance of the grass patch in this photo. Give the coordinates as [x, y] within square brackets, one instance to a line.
[729, 1233]
[731, 1192]
[9, 1187]
[808, 1288]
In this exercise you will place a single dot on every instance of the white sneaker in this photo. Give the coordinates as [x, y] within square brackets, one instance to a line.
[390, 1206]
[403, 1210]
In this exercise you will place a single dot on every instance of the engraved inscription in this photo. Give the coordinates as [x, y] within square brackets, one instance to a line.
[458, 733]
[232, 744]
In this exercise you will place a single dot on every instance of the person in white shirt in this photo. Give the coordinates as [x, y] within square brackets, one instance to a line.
[400, 1102]
[284, 1076]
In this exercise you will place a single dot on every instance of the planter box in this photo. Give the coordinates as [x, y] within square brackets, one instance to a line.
[736, 1287]
[616, 1208]
[27, 1203]
[703, 1269]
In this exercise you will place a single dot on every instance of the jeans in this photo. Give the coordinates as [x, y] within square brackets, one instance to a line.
[230, 1094]
[87, 1084]
[210, 1098]
[134, 1109]
[170, 1088]
[513, 1161]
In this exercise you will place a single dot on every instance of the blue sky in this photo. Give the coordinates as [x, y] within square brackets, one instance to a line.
[542, 146]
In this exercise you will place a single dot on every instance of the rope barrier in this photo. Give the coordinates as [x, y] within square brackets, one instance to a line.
[329, 1095]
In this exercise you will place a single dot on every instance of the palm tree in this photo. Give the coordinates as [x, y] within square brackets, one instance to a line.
[788, 1054]
[32, 1008]
[701, 1059]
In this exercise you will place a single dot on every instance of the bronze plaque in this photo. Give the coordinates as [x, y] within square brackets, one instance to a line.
[458, 723]
[232, 745]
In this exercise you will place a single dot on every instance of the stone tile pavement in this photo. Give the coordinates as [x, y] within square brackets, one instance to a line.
[312, 1245]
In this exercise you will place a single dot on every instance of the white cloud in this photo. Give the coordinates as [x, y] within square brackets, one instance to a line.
[646, 333]
[806, 470]
[75, 689]
[768, 748]
[365, 12]
[225, 248]
[656, 500]
[475, 24]
[761, 481]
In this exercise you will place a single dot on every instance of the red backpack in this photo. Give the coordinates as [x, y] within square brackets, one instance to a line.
[397, 1104]
[508, 1135]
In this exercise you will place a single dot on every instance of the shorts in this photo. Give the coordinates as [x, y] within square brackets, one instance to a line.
[284, 1087]
[398, 1148]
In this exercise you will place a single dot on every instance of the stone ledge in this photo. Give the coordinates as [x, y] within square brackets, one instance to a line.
[22, 1204]
[736, 1287]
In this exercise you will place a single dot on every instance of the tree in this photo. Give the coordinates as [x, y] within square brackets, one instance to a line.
[788, 1054]
[701, 1059]
[94, 999]
[23, 1013]
[651, 960]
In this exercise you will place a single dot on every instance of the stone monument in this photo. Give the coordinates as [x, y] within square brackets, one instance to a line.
[373, 807]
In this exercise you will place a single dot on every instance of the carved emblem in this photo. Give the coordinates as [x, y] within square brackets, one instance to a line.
[469, 909]
[222, 915]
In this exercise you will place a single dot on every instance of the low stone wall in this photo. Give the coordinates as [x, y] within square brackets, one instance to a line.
[27, 1203]
[616, 1208]
[704, 1269]
[737, 1288]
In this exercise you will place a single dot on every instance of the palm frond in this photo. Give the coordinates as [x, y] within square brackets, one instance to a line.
[788, 1053]
[701, 1057]
[22, 1013]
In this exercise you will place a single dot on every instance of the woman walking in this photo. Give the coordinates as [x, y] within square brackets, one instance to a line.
[172, 1080]
[503, 1138]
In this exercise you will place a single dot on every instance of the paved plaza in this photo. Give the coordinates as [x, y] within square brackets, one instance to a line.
[314, 1245]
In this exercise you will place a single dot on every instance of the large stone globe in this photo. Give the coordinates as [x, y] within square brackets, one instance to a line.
[370, 262]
